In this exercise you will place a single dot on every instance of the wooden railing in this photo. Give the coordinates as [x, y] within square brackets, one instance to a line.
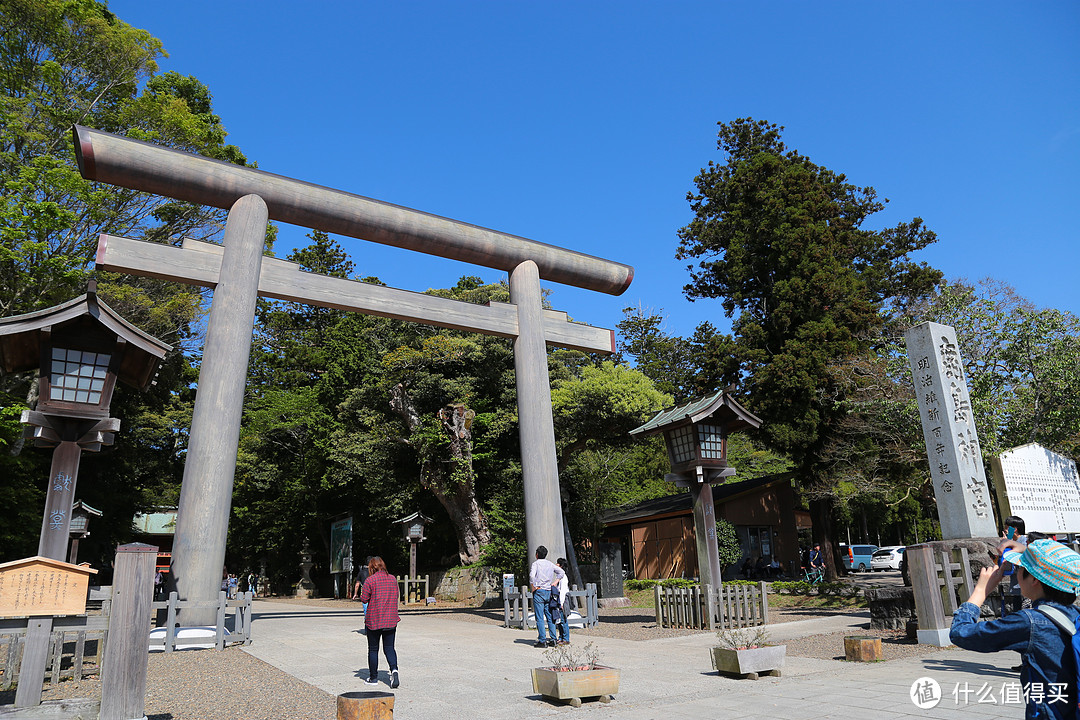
[516, 605]
[37, 646]
[241, 626]
[705, 607]
[409, 589]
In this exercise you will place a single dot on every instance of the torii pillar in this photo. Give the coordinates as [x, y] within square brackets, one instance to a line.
[202, 519]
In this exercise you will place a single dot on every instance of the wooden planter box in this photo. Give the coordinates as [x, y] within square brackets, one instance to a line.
[602, 682]
[750, 662]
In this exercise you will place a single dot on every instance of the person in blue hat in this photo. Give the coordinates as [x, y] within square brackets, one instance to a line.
[1049, 576]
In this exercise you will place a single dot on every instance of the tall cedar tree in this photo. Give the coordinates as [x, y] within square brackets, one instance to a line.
[780, 239]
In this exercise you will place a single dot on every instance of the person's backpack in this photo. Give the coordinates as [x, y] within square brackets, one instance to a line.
[1072, 629]
[554, 607]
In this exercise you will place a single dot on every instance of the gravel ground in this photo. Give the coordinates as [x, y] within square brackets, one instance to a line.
[232, 685]
[201, 684]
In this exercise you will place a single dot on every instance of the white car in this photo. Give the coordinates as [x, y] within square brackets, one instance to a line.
[887, 558]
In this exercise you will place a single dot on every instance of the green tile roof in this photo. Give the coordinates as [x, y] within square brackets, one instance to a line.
[697, 410]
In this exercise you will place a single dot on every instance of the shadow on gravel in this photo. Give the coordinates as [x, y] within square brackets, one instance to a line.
[642, 619]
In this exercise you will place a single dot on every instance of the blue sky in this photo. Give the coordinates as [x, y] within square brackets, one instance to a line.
[583, 124]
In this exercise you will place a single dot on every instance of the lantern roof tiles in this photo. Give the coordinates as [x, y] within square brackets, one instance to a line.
[733, 415]
[21, 337]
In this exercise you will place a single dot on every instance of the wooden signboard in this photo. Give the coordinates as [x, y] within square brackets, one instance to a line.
[43, 586]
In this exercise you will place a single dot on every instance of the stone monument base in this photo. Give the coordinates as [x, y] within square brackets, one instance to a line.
[939, 637]
[614, 602]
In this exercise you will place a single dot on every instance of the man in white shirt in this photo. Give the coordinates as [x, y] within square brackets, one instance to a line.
[543, 575]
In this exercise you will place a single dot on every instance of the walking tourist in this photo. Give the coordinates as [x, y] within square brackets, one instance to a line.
[380, 597]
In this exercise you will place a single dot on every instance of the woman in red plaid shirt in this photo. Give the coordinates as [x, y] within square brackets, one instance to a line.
[380, 593]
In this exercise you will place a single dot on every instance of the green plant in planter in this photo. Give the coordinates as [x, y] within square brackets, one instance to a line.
[747, 652]
[574, 674]
[743, 638]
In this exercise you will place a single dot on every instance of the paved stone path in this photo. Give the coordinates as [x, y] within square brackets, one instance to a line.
[454, 669]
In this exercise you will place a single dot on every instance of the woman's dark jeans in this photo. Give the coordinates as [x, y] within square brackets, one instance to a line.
[387, 636]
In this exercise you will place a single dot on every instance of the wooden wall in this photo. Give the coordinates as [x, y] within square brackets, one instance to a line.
[664, 548]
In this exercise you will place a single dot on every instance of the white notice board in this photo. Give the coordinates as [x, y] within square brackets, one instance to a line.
[1040, 486]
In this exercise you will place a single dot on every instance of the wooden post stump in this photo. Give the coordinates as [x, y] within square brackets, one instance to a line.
[862, 648]
[365, 706]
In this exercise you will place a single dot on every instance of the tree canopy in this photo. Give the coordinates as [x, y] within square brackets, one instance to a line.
[781, 240]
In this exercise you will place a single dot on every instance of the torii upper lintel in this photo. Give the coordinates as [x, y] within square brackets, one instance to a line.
[143, 166]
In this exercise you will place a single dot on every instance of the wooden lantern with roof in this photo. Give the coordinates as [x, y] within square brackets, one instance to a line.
[695, 434]
[80, 348]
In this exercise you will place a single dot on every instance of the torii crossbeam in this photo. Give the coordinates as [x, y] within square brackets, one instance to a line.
[199, 263]
[239, 274]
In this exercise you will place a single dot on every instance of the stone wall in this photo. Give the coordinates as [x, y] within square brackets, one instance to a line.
[891, 608]
[470, 585]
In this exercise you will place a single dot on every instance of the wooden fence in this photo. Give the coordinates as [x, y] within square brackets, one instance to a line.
[705, 607]
[241, 621]
[75, 647]
[409, 589]
[516, 605]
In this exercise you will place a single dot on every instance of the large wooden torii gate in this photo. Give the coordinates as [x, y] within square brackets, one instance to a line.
[239, 273]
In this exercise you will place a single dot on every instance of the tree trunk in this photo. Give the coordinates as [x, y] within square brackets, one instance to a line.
[568, 540]
[453, 482]
[821, 512]
[571, 554]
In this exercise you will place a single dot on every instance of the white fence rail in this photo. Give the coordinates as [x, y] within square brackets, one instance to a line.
[241, 617]
[516, 605]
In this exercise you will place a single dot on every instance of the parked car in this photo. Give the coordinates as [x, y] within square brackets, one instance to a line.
[887, 558]
[858, 557]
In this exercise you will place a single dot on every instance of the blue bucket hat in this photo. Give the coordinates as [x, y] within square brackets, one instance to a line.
[1049, 562]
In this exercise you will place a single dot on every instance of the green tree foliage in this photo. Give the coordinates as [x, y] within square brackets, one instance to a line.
[683, 368]
[72, 61]
[1022, 363]
[378, 418]
[781, 241]
[727, 543]
[752, 460]
[67, 62]
[600, 465]
[1022, 368]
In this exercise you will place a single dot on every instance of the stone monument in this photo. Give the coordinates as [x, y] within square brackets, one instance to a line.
[305, 588]
[952, 444]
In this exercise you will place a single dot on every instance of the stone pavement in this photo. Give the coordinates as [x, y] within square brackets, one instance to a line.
[459, 669]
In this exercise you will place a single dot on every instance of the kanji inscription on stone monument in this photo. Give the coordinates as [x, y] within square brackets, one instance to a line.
[952, 444]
